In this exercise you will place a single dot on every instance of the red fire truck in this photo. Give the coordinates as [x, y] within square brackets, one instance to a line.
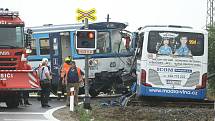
[16, 76]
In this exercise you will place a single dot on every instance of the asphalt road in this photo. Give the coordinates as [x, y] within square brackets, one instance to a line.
[33, 112]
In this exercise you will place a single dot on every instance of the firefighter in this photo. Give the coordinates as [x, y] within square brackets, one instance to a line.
[73, 79]
[63, 71]
[45, 81]
[24, 98]
[37, 71]
[25, 94]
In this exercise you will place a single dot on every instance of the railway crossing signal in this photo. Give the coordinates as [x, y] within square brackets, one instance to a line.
[86, 39]
[86, 42]
[86, 14]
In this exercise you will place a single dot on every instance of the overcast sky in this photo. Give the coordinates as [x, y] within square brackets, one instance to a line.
[136, 12]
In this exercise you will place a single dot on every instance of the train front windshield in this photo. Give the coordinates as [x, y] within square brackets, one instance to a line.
[176, 43]
[11, 37]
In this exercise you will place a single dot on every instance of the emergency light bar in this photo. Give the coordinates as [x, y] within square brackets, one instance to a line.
[6, 12]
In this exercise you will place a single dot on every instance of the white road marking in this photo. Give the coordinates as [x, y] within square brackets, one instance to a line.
[23, 113]
[49, 116]
[24, 120]
[20, 113]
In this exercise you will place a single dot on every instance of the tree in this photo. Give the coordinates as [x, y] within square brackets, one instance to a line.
[211, 58]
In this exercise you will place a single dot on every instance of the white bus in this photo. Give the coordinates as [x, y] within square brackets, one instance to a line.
[172, 62]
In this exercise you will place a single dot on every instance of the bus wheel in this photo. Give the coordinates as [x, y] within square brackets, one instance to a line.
[93, 93]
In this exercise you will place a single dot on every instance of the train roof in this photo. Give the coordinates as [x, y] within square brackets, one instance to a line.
[107, 25]
[53, 28]
[72, 27]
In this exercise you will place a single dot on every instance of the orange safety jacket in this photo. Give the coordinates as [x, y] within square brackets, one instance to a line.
[78, 71]
[64, 70]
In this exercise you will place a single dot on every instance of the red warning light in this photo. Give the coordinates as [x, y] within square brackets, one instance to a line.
[91, 35]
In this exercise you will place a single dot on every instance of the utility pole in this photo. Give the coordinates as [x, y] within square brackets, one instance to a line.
[210, 13]
[87, 95]
[86, 44]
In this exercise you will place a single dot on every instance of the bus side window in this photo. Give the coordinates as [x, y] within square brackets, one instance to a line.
[33, 47]
[44, 46]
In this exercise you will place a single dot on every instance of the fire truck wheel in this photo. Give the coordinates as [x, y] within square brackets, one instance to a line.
[12, 102]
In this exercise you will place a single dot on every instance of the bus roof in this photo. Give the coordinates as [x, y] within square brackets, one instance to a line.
[173, 26]
[170, 28]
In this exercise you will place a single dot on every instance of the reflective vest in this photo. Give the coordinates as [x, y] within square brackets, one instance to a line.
[78, 72]
[64, 70]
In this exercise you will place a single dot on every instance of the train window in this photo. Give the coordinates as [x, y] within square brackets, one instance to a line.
[121, 41]
[103, 42]
[33, 47]
[116, 39]
[44, 46]
[125, 44]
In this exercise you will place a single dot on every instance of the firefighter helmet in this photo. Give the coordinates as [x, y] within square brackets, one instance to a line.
[68, 59]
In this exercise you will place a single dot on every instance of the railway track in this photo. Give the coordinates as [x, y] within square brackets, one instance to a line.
[171, 103]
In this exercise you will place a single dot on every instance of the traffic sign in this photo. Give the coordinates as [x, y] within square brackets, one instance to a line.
[89, 14]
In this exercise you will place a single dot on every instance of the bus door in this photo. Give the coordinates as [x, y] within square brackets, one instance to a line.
[55, 57]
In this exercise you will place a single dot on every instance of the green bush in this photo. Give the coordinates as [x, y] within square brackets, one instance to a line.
[85, 115]
[211, 59]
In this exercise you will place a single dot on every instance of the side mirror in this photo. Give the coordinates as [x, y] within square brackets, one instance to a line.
[28, 39]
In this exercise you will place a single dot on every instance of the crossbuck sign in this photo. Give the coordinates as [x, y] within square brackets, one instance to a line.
[89, 14]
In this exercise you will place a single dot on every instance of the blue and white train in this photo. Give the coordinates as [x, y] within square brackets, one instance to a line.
[113, 56]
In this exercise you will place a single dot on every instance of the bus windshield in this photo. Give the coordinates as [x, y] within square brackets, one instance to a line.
[176, 43]
[11, 37]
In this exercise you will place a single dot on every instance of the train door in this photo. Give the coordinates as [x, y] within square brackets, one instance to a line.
[65, 45]
[55, 57]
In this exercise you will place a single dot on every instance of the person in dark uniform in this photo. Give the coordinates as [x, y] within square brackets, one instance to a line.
[24, 95]
[45, 81]
[74, 78]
